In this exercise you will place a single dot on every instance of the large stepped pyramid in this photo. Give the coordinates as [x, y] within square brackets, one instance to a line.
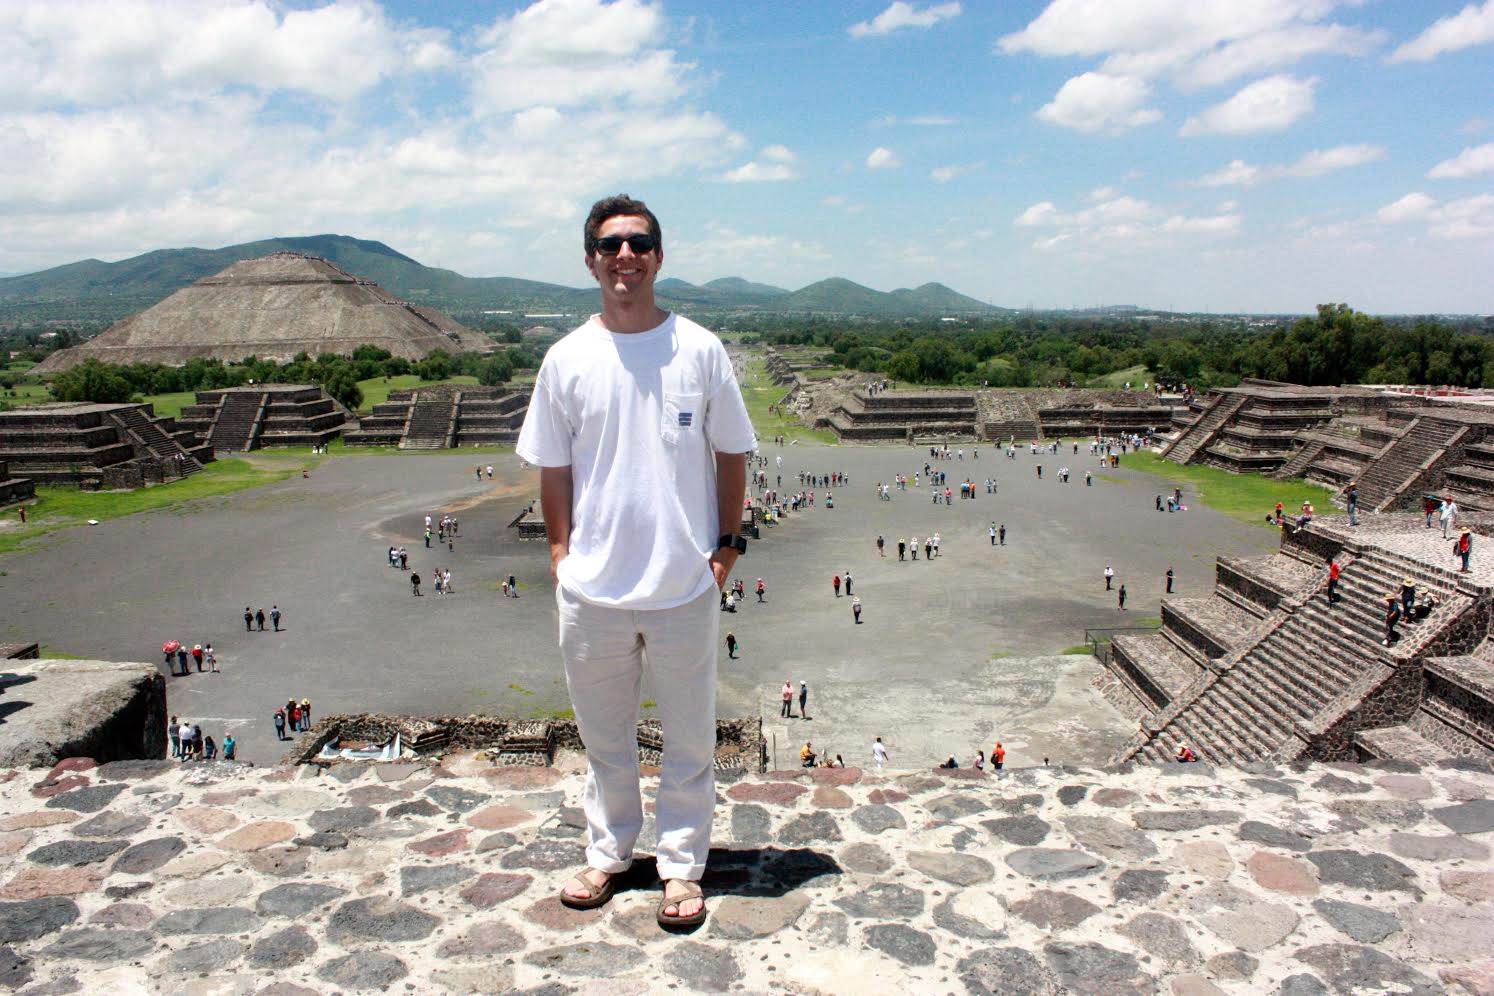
[1265, 669]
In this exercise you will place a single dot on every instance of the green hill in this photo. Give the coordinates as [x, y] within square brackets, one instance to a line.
[92, 289]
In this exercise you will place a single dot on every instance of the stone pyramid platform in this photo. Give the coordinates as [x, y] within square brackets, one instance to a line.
[155, 876]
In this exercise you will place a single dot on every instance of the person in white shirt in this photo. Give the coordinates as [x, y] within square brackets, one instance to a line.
[879, 754]
[641, 436]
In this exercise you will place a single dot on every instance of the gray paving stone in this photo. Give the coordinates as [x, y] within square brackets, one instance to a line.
[878, 818]
[15, 968]
[1053, 911]
[1236, 966]
[1016, 805]
[590, 960]
[421, 808]
[111, 824]
[213, 920]
[1351, 968]
[883, 901]
[545, 855]
[751, 824]
[1242, 918]
[148, 855]
[1375, 872]
[1096, 968]
[456, 800]
[88, 799]
[116, 771]
[285, 948]
[957, 869]
[1474, 816]
[1337, 785]
[415, 879]
[344, 818]
[954, 806]
[1273, 786]
[946, 917]
[1050, 863]
[704, 967]
[829, 930]
[1072, 795]
[1005, 971]
[295, 899]
[348, 772]
[1302, 984]
[746, 917]
[500, 841]
[810, 828]
[483, 940]
[379, 919]
[1023, 831]
[126, 891]
[280, 862]
[396, 771]
[204, 957]
[1161, 937]
[323, 840]
[1362, 923]
[909, 946]
[363, 970]
[101, 944]
[64, 853]
[1110, 838]
[1395, 813]
[1270, 836]
[1173, 820]
[33, 918]
[1139, 885]
[866, 858]
[1447, 847]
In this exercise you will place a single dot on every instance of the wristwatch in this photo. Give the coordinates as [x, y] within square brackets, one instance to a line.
[732, 541]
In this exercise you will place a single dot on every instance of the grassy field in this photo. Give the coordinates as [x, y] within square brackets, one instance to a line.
[170, 405]
[759, 392]
[26, 394]
[376, 390]
[62, 508]
[1248, 497]
[1136, 375]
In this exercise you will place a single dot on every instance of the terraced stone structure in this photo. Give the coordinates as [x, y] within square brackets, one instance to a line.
[154, 876]
[94, 446]
[443, 416]
[903, 415]
[238, 419]
[273, 307]
[1255, 426]
[14, 490]
[1265, 669]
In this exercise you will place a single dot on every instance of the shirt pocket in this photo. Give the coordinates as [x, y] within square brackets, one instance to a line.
[682, 415]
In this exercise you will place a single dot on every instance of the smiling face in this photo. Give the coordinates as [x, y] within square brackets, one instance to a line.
[626, 276]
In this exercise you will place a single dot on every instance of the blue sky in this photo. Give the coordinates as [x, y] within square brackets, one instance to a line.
[1223, 155]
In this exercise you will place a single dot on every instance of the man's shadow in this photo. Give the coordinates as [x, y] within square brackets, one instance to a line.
[9, 679]
[754, 872]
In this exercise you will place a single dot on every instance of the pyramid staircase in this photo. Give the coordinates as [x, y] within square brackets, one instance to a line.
[236, 426]
[1407, 461]
[149, 436]
[1301, 460]
[1205, 429]
[1301, 681]
[432, 422]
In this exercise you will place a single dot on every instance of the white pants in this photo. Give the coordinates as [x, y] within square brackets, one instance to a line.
[604, 649]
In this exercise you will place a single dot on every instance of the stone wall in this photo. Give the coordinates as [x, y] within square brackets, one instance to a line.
[99, 709]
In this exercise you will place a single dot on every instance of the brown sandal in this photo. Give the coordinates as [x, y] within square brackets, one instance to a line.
[675, 920]
[600, 894]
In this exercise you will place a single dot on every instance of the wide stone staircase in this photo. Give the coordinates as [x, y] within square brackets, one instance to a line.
[1282, 692]
[135, 424]
[1405, 462]
[237, 423]
[432, 423]
[1301, 460]
[1204, 430]
[1471, 483]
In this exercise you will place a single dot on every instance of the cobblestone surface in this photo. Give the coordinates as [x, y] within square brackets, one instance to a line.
[1153, 880]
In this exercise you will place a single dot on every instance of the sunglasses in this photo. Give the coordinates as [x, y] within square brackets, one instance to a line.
[611, 245]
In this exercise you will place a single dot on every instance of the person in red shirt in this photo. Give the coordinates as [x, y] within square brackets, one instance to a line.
[835, 583]
[1333, 570]
[998, 756]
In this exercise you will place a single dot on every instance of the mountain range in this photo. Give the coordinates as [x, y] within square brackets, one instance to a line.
[92, 289]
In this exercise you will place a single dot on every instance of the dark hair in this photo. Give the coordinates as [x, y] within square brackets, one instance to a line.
[611, 207]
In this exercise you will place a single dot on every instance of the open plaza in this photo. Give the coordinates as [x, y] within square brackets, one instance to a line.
[950, 656]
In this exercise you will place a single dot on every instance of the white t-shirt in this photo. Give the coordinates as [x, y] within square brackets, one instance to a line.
[879, 752]
[638, 417]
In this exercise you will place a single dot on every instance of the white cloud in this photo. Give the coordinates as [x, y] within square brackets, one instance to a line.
[1095, 102]
[779, 154]
[1469, 162]
[844, 203]
[1314, 163]
[1473, 25]
[1464, 218]
[943, 174]
[1218, 224]
[882, 158]
[1103, 194]
[1320, 161]
[756, 172]
[69, 54]
[1270, 104]
[723, 249]
[1122, 223]
[1412, 207]
[1194, 42]
[563, 53]
[1237, 173]
[904, 15]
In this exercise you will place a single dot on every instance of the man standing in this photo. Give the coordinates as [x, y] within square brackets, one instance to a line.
[259, 619]
[636, 403]
[1108, 575]
[275, 617]
[1352, 497]
[879, 754]
[1449, 515]
[1001, 534]
[1121, 599]
[1333, 572]
[1169, 581]
[248, 620]
[993, 534]
[803, 700]
[787, 709]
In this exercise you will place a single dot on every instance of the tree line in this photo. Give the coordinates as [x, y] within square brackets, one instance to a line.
[338, 375]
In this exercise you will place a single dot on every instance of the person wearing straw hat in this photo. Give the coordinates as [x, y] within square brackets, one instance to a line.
[1408, 599]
